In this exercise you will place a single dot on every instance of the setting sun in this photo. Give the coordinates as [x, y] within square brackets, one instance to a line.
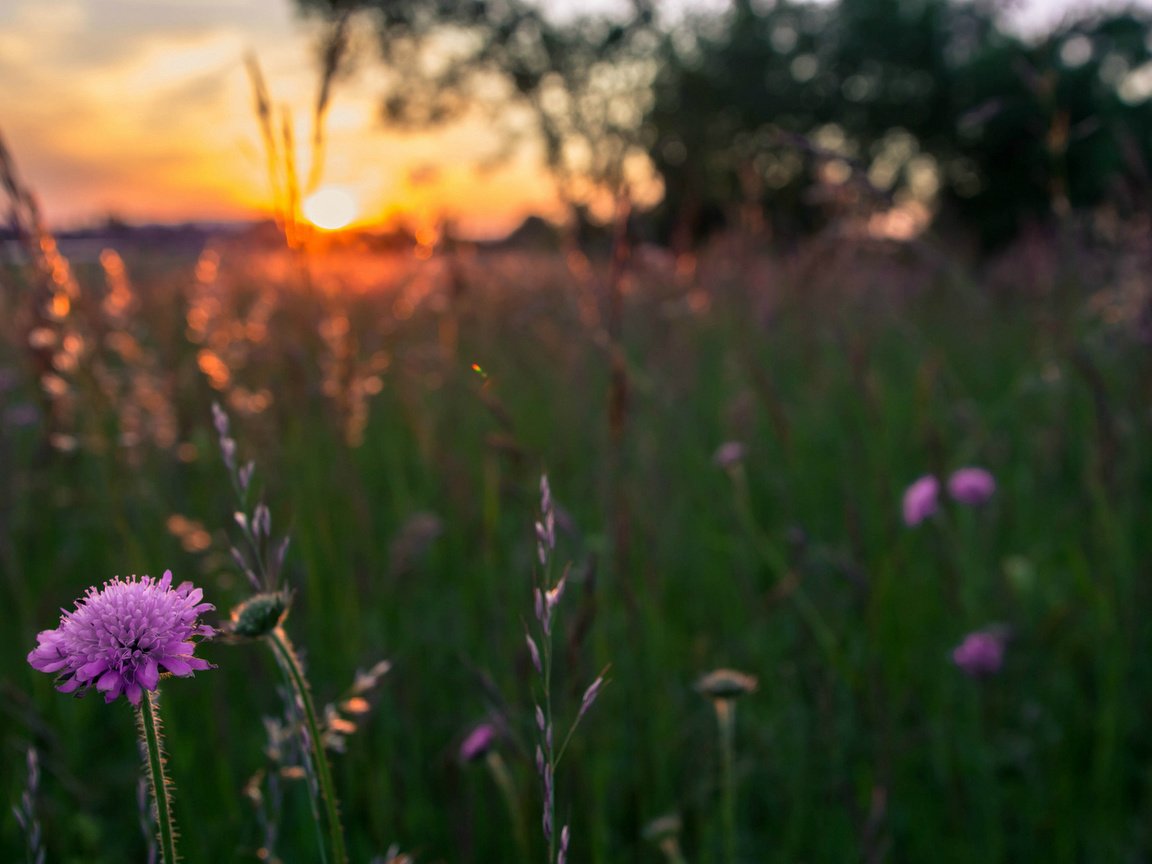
[330, 208]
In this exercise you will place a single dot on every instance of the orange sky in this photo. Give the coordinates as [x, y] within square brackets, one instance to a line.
[142, 109]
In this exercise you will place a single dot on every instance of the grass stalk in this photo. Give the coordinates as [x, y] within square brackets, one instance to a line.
[294, 674]
[503, 780]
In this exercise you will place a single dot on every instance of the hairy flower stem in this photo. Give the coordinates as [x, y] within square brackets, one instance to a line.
[149, 723]
[294, 673]
[726, 723]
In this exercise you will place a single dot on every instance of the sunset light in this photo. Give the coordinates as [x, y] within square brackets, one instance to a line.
[827, 321]
[330, 208]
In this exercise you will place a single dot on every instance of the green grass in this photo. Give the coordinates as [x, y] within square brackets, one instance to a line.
[842, 397]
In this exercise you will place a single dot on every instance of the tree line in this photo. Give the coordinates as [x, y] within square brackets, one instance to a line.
[790, 111]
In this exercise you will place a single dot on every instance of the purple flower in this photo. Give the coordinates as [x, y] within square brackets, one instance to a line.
[121, 636]
[478, 742]
[729, 454]
[980, 654]
[920, 500]
[972, 486]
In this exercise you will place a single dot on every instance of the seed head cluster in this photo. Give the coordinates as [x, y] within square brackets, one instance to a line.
[120, 637]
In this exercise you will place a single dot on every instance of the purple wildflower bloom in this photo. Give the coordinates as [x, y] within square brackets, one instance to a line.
[118, 638]
[972, 486]
[980, 654]
[478, 742]
[729, 454]
[920, 500]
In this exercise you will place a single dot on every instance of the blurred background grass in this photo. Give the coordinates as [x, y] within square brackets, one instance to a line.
[408, 482]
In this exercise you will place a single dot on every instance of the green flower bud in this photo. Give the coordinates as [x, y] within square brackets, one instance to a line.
[260, 614]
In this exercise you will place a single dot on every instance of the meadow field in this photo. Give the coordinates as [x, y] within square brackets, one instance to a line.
[728, 439]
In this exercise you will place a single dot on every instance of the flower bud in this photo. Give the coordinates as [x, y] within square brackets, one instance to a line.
[260, 614]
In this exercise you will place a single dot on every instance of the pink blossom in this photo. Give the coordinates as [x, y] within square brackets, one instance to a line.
[119, 638]
[478, 742]
[921, 500]
[980, 654]
[973, 486]
[729, 454]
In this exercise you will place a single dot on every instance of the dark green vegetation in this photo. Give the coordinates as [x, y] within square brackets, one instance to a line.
[745, 102]
[847, 370]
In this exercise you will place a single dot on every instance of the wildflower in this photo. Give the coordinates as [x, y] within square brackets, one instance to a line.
[120, 637]
[726, 684]
[920, 500]
[478, 742]
[972, 486]
[729, 454]
[981, 653]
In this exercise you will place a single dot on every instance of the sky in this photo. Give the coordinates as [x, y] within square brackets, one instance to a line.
[142, 109]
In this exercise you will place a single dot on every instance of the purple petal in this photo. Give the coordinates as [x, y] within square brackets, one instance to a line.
[178, 666]
[148, 674]
[90, 670]
[46, 664]
[111, 684]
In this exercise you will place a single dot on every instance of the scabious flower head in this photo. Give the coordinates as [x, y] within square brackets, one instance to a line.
[921, 500]
[980, 654]
[121, 636]
[972, 486]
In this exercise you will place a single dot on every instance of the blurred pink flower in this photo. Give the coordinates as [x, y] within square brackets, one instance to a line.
[728, 454]
[972, 486]
[920, 500]
[980, 654]
[478, 742]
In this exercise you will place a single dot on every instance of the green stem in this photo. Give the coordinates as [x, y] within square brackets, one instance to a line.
[149, 722]
[503, 780]
[775, 562]
[294, 672]
[725, 721]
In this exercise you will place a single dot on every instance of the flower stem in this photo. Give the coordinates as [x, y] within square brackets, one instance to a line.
[149, 724]
[294, 672]
[725, 717]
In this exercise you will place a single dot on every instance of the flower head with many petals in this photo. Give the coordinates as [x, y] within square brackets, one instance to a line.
[120, 637]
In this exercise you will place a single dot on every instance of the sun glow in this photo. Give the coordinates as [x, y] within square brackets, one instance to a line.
[330, 208]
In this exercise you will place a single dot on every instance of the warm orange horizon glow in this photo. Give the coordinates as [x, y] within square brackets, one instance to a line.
[331, 208]
[154, 122]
